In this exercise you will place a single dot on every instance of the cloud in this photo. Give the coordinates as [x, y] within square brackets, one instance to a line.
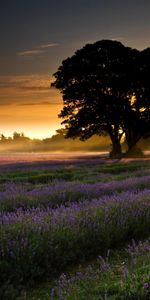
[26, 90]
[40, 103]
[5, 103]
[34, 81]
[118, 38]
[34, 103]
[45, 46]
[37, 51]
[30, 52]
[34, 88]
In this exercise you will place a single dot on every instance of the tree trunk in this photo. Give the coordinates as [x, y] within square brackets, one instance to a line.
[132, 137]
[116, 149]
[115, 138]
[134, 152]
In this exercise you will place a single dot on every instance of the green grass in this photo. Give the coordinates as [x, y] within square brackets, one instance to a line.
[84, 174]
[115, 278]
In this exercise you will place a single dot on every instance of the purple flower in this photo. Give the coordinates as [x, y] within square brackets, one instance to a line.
[146, 285]
[79, 274]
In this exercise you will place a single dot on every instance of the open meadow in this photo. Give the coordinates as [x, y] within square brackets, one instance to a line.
[74, 228]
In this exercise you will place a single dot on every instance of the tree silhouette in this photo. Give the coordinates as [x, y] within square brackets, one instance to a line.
[100, 85]
[3, 137]
[137, 118]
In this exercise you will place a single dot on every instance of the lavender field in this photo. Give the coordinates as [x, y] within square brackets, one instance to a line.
[68, 224]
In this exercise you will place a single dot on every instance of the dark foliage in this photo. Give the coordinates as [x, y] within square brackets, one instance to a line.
[105, 88]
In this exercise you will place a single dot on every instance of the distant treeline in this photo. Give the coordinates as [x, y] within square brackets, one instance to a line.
[21, 143]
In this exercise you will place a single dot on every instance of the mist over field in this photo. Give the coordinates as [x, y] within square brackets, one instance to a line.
[58, 143]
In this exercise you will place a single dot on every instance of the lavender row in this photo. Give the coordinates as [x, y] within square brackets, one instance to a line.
[39, 215]
[61, 192]
[139, 248]
[40, 242]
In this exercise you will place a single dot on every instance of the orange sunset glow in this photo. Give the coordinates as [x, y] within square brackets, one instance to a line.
[29, 104]
[36, 37]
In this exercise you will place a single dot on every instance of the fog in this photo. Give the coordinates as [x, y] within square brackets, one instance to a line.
[19, 143]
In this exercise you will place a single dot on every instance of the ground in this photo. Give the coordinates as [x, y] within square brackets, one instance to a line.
[74, 227]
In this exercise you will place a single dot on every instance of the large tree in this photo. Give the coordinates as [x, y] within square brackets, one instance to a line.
[137, 114]
[98, 89]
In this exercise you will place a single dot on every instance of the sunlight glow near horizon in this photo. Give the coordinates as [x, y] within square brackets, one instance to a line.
[29, 58]
[34, 133]
[29, 105]
[35, 121]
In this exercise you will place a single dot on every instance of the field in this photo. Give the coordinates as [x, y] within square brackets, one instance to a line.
[74, 228]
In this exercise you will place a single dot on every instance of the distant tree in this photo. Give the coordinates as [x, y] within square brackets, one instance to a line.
[16, 136]
[99, 91]
[3, 138]
[20, 137]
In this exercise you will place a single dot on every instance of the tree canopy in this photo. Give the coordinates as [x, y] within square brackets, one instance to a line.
[106, 90]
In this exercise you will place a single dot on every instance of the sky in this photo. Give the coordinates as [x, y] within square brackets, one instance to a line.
[36, 35]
